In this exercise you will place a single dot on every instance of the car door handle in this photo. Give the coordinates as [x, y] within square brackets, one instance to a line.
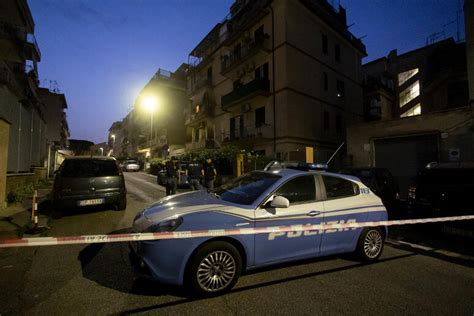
[313, 213]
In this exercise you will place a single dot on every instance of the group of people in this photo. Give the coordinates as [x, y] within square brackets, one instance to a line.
[196, 172]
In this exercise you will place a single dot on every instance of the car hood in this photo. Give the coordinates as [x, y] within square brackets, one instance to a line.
[178, 205]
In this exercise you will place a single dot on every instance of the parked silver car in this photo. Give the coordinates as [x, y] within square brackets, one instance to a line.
[86, 181]
[131, 165]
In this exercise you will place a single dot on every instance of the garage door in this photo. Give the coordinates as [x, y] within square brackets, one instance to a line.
[405, 157]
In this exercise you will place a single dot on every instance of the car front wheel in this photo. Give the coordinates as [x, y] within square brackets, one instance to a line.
[370, 244]
[214, 268]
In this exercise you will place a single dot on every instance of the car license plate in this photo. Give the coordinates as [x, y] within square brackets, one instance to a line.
[91, 202]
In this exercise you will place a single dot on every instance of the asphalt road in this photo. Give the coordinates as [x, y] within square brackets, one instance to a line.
[97, 279]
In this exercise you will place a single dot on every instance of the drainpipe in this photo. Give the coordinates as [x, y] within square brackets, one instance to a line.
[273, 83]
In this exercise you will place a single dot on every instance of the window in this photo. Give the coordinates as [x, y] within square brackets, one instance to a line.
[326, 121]
[326, 83]
[339, 188]
[338, 124]
[416, 110]
[260, 117]
[340, 89]
[325, 44]
[259, 33]
[301, 189]
[209, 74]
[404, 76]
[247, 188]
[410, 93]
[262, 71]
[337, 53]
[83, 168]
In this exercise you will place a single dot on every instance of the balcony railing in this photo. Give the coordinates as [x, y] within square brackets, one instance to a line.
[204, 112]
[258, 86]
[31, 39]
[201, 144]
[247, 134]
[201, 83]
[247, 51]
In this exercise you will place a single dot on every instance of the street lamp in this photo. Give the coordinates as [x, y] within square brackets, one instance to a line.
[101, 151]
[113, 143]
[150, 103]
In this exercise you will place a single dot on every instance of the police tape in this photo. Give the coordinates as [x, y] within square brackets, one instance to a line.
[93, 239]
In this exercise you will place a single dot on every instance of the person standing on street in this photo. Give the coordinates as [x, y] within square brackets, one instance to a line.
[194, 174]
[209, 173]
[171, 176]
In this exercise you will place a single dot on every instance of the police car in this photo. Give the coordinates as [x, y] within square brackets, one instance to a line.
[278, 197]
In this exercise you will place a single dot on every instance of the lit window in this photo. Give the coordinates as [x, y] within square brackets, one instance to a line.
[404, 76]
[197, 108]
[410, 93]
[416, 110]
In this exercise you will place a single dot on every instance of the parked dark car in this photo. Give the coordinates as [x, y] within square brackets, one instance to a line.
[86, 181]
[443, 190]
[381, 182]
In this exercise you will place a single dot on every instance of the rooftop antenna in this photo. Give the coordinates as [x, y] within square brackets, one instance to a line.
[338, 148]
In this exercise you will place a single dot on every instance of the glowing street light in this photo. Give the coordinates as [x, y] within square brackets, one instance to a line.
[101, 151]
[150, 104]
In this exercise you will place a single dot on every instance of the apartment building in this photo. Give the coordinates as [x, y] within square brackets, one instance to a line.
[20, 105]
[425, 80]
[154, 128]
[275, 77]
[57, 132]
[419, 109]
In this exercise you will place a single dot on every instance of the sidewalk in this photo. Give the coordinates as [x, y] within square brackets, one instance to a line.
[16, 218]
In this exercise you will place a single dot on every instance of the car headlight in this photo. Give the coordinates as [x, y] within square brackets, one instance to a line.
[168, 225]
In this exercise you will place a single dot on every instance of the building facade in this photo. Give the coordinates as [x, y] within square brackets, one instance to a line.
[275, 77]
[19, 101]
[420, 109]
[429, 79]
[57, 133]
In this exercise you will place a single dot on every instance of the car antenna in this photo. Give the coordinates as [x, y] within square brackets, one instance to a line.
[338, 148]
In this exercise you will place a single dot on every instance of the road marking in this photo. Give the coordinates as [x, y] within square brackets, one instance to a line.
[447, 253]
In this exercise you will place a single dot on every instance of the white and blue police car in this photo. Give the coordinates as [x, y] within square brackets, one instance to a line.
[258, 199]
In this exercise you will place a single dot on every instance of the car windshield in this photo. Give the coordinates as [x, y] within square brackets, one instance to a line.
[84, 168]
[247, 188]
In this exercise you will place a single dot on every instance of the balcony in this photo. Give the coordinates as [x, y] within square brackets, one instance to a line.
[201, 144]
[252, 48]
[33, 44]
[258, 86]
[248, 134]
[193, 118]
[200, 83]
[153, 143]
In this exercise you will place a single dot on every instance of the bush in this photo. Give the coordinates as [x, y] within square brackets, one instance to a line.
[156, 164]
[19, 194]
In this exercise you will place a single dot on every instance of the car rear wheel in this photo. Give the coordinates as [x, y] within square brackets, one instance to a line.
[214, 268]
[370, 244]
[122, 205]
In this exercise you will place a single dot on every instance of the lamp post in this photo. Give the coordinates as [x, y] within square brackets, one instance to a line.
[101, 151]
[113, 143]
[150, 104]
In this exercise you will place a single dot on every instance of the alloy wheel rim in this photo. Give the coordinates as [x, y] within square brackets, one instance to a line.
[216, 271]
[373, 244]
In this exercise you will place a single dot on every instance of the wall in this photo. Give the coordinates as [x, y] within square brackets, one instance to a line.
[455, 127]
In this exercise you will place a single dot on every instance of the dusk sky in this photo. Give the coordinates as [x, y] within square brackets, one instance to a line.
[102, 52]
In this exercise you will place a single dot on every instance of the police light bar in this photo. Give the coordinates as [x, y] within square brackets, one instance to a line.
[298, 165]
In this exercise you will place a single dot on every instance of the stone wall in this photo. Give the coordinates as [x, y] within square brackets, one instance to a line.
[19, 180]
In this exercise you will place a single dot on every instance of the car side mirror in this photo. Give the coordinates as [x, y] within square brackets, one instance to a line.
[280, 202]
